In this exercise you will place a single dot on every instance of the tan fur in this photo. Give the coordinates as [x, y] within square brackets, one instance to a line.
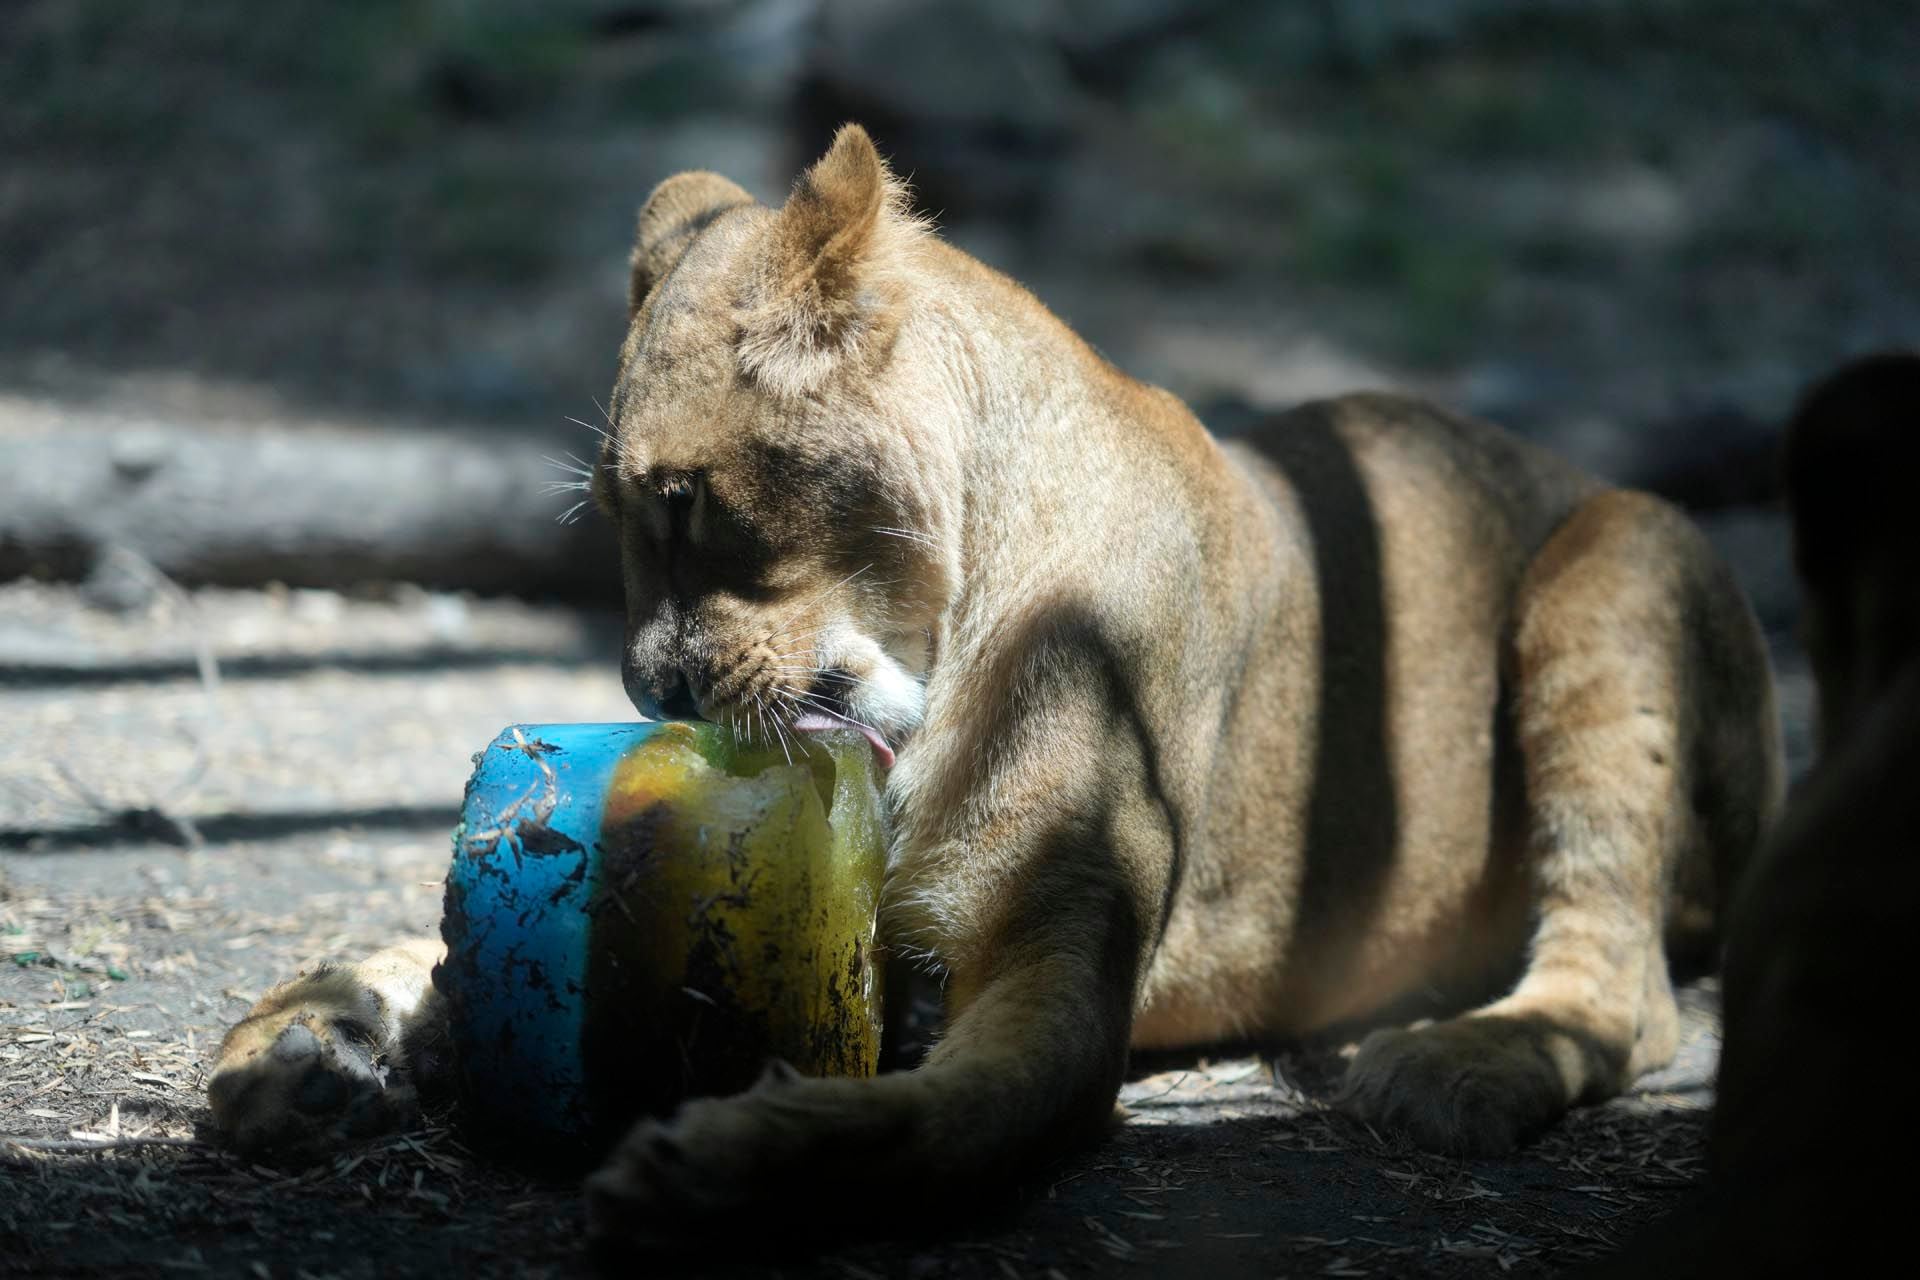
[309, 1066]
[1195, 740]
[678, 210]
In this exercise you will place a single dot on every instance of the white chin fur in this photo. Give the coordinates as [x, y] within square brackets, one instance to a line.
[888, 696]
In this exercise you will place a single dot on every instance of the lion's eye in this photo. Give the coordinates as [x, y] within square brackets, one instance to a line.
[651, 510]
[684, 526]
[675, 514]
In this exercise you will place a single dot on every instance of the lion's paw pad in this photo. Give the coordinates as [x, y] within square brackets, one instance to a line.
[305, 1092]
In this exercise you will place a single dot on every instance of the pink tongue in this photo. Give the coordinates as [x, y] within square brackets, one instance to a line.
[820, 721]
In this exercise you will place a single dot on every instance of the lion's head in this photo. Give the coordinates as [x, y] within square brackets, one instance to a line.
[785, 496]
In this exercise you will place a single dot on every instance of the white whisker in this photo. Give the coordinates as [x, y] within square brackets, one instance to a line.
[781, 734]
[599, 431]
[911, 535]
[572, 466]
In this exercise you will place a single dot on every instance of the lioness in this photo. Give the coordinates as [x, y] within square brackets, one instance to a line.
[1378, 709]
[1816, 942]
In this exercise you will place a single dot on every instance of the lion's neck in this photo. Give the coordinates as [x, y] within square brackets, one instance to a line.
[1060, 455]
[1032, 395]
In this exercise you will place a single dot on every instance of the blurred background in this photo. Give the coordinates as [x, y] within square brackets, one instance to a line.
[299, 298]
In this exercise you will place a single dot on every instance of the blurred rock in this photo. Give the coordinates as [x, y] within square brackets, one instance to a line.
[300, 503]
[54, 632]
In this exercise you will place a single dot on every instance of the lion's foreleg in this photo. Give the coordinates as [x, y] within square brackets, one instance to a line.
[1031, 1062]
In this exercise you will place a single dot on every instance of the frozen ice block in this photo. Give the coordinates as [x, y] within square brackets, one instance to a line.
[640, 913]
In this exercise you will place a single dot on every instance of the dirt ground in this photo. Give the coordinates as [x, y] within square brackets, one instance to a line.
[299, 807]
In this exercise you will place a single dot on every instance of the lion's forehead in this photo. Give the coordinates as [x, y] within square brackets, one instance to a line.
[682, 400]
[706, 285]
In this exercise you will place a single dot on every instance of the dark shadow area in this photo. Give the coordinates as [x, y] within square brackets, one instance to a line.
[1072, 645]
[269, 666]
[1816, 943]
[1352, 833]
[1248, 1195]
[145, 826]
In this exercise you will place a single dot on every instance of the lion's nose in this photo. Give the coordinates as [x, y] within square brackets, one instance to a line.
[676, 701]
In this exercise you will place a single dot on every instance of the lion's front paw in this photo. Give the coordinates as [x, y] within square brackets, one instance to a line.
[665, 1173]
[1470, 1086]
[782, 1152]
[297, 1085]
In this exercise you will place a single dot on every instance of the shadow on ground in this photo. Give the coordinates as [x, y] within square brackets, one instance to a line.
[1225, 1169]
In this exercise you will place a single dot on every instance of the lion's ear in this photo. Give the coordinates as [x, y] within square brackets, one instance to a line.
[677, 211]
[828, 285]
[832, 218]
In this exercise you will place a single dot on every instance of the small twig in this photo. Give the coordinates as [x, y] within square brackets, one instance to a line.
[64, 1146]
[1154, 1097]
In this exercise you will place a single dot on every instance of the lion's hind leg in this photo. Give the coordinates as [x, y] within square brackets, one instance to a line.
[1644, 713]
[324, 1058]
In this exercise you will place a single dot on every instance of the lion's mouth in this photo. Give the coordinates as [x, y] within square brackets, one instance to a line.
[823, 721]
